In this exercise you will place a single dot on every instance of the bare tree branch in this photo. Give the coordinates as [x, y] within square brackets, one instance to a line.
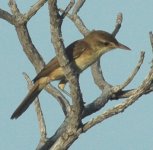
[25, 39]
[14, 8]
[131, 77]
[40, 117]
[6, 16]
[98, 103]
[38, 63]
[64, 103]
[72, 125]
[76, 19]
[78, 23]
[121, 107]
[98, 75]
[63, 137]
[119, 20]
[110, 91]
[151, 39]
[59, 47]
[33, 10]
[29, 48]
[78, 6]
[34, 56]
[68, 8]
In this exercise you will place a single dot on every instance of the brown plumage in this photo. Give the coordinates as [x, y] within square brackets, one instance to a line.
[82, 53]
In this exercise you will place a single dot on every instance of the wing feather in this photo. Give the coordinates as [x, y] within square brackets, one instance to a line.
[73, 51]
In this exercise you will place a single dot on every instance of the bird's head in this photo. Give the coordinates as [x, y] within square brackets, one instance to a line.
[103, 41]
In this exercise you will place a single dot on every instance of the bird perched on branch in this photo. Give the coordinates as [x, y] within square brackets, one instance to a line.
[82, 53]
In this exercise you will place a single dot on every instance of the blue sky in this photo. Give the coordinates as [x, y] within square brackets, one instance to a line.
[131, 130]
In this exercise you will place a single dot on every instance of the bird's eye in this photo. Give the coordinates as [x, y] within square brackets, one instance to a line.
[106, 43]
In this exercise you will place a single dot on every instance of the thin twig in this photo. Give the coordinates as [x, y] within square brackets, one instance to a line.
[131, 77]
[109, 91]
[119, 20]
[14, 8]
[151, 39]
[78, 6]
[68, 8]
[78, 23]
[121, 107]
[98, 103]
[33, 10]
[7, 16]
[64, 103]
[98, 75]
[40, 117]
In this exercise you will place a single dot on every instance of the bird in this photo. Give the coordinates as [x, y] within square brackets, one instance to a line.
[82, 53]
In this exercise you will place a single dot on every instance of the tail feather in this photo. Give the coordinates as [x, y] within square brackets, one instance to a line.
[33, 93]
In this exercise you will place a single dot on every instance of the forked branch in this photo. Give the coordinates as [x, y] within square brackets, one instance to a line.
[146, 84]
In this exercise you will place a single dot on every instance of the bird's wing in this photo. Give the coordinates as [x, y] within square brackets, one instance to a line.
[73, 51]
[52, 65]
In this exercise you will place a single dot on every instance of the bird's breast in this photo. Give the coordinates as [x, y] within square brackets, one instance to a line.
[86, 59]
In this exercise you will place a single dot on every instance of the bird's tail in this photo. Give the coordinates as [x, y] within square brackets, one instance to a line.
[33, 93]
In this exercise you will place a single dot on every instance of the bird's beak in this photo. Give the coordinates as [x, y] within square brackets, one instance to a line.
[121, 46]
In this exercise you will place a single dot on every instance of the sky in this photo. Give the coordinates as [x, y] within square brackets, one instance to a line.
[130, 130]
